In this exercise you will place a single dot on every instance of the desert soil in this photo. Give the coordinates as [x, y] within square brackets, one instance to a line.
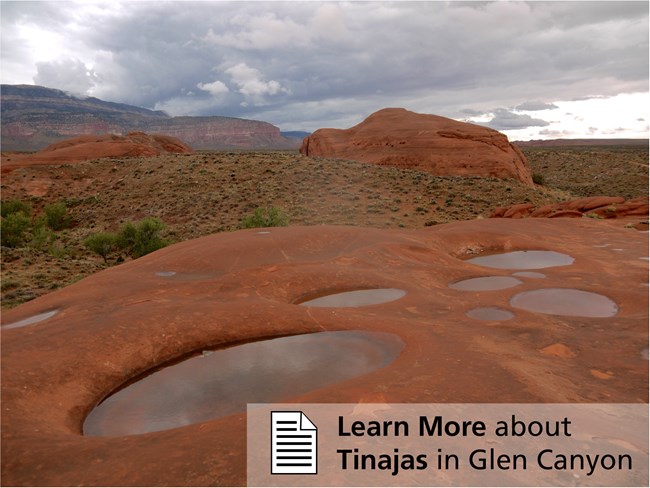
[208, 192]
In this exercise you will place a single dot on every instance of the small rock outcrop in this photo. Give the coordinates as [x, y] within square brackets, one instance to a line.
[437, 145]
[598, 207]
[83, 148]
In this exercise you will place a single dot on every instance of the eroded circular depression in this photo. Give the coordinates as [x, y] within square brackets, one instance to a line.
[220, 383]
[565, 301]
[34, 319]
[523, 260]
[486, 283]
[356, 298]
[490, 314]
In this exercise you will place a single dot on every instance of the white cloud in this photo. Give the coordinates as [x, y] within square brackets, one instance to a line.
[215, 88]
[251, 83]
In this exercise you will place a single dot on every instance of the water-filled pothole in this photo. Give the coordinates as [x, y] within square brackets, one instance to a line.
[486, 283]
[220, 383]
[490, 313]
[523, 260]
[565, 301]
[529, 274]
[34, 319]
[165, 273]
[356, 298]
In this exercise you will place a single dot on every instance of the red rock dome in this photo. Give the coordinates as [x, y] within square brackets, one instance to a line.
[437, 145]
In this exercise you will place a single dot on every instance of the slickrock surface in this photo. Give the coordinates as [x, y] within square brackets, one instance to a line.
[598, 207]
[84, 148]
[437, 145]
[242, 286]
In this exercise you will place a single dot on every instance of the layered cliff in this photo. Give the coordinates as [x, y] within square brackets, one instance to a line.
[34, 117]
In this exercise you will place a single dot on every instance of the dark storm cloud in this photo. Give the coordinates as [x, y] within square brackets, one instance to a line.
[506, 120]
[535, 106]
[304, 65]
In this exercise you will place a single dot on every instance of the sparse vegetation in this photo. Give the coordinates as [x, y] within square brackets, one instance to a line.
[102, 243]
[539, 179]
[214, 197]
[56, 216]
[141, 238]
[14, 206]
[265, 217]
[14, 228]
[136, 239]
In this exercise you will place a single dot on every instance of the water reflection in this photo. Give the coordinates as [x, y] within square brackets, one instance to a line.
[523, 260]
[222, 383]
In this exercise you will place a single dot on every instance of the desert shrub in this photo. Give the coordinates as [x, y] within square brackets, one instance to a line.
[56, 216]
[141, 238]
[539, 179]
[13, 229]
[102, 243]
[42, 237]
[9, 207]
[265, 217]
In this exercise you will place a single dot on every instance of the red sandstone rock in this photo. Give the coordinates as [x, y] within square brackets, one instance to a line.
[574, 214]
[585, 204]
[605, 207]
[518, 211]
[83, 148]
[498, 212]
[437, 145]
[238, 287]
[543, 211]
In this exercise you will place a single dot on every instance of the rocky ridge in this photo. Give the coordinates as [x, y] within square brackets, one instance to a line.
[596, 207]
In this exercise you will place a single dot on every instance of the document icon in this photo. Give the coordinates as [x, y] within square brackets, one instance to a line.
[293, 443]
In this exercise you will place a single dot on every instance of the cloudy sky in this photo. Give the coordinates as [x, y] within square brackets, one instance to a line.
[534, 70]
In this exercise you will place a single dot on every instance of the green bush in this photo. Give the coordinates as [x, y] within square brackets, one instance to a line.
[102, 243]
[56, 216]
[42, 237]
[141, 238]
[13, 229]
[539, 179]
[9, 207]
[265, 217]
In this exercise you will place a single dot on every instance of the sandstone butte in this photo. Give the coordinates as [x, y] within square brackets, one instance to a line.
[237, 287]
[437, 145]
[87, 147]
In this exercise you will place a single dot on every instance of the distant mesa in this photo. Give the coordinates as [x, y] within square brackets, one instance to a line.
[83, 148]
[35, 116]
[437, 145]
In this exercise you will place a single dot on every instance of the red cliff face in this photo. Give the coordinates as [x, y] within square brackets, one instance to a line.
[220, 132]
[437, 145]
